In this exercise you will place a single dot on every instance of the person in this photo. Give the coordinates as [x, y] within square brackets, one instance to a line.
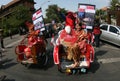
[70, 18]
[80, 45]
[67, 39]
[1, 39]
[97, 32]
[80, 32]
[10, 33]
[2, 77]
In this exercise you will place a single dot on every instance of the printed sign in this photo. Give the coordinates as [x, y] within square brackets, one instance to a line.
[86, 13]
[37, 19]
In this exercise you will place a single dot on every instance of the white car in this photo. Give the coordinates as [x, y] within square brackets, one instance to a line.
[110, 33]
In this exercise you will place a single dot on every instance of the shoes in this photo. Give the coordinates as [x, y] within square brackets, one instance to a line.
[2, 77]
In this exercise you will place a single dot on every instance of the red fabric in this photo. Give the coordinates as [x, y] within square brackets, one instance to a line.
[27, 52]
[21, 48]
[96, 30]
[56, 55]
[70, 19]
[68, 37]
[32, 40]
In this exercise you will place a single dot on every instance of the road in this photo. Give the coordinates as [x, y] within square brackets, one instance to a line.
[105, 68]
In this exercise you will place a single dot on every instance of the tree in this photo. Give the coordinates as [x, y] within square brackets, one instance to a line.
[52, 14]
[17, 18]
[113, 4]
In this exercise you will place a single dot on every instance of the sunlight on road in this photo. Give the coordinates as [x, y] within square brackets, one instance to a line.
[109, 60]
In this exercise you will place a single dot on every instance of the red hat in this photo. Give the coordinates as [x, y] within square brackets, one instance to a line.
[70, 19]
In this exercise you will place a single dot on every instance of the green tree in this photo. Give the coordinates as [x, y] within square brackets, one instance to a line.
[19, 16]
[52, 14]
[113, 4]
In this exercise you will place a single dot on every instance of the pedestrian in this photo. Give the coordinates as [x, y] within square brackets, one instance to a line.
[1, 39]
[97, 32]
[10, 33]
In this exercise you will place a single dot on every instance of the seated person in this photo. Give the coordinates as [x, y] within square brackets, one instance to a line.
[82, 37]
[68, 38]
[79, 47]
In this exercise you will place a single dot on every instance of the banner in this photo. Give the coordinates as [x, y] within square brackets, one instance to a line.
[37, 19]
[86, 13]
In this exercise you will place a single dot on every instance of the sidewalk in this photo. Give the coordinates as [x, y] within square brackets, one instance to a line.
[15, 39]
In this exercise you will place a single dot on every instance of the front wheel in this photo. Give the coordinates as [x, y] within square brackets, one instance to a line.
[43, 59]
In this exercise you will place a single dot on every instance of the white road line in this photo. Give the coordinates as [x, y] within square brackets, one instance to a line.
[11, 44]
[109, 60]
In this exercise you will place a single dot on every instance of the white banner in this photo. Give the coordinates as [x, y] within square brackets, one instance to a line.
[38, 20]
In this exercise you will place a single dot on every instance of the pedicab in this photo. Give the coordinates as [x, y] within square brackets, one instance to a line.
[32, 49]
[61, 55]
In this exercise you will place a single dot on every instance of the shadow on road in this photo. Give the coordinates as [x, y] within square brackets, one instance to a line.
[96, 65]
[50, 62]
[100, 53]
[9, 80]
[6, 63]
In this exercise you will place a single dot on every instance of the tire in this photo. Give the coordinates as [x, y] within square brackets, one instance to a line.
[43, 59]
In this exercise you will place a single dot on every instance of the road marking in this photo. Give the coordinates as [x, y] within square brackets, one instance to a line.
[109, 60]
[11, 44]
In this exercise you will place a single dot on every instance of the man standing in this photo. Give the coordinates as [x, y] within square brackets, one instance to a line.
[1, 39]
[97, 33]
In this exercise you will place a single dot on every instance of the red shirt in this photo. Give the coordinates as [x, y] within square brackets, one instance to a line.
[96, 30]
[71, 38]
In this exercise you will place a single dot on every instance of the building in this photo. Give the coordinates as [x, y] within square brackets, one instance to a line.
[6, 10]
[110, 13]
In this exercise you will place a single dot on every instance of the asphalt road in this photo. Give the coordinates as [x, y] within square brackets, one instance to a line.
[105, 68]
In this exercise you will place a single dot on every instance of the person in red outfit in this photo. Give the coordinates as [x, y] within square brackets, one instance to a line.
[97, 32]
[70, 18]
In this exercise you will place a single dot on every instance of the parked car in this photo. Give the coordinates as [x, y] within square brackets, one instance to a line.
[110, 33]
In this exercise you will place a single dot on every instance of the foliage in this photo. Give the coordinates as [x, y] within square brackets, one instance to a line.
[113, 4]
[17, 18]
[52, 14]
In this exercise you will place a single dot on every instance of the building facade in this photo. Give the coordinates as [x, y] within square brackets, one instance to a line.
[6, 10]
